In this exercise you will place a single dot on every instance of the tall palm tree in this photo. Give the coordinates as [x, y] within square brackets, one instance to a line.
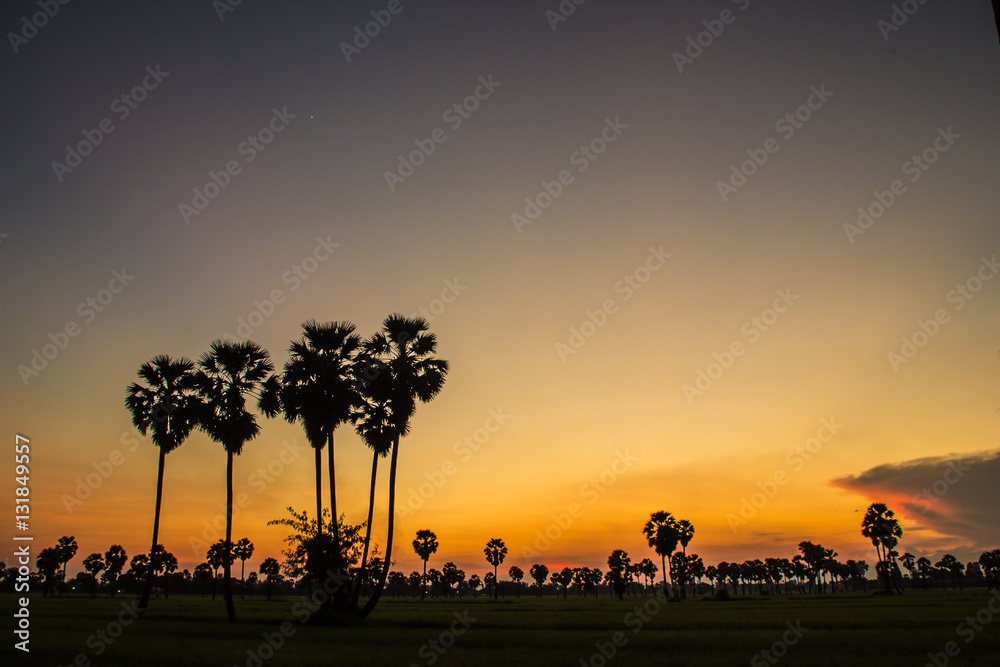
[407, 349]
[424, 545]
[661, 533]
[168, 407]
[318, 390]
[229, 372]
[375, 422]
[881, 526]
[495, 552]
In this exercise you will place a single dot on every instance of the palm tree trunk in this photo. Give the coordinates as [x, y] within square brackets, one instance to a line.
[148, 585]
[319, 492]
[368, 533]
[387, 560]
[333, 505]
[227, 566]
[663, 562]
[423, 582]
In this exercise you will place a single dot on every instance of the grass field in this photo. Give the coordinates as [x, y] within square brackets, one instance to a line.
[841, 629]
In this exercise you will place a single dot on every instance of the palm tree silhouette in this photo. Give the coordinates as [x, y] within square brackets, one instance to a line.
[495, 552]
[114, 560]
[374, 421]
[881, 526]
[229, 372]
[539, 573]
[270, 568]
[406, 348]
[93, 564]
[661, 533]
[317, 390]
[516, 574]
[48, 564]
[243, 550]
[685, 533]
[167, 406]
[424, 545]
[66, 548]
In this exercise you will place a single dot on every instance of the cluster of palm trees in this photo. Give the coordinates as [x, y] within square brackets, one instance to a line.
[332, 377]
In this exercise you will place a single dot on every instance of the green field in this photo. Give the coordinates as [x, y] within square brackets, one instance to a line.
[840, 629]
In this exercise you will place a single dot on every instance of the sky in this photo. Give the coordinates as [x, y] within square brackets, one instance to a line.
[732, 260]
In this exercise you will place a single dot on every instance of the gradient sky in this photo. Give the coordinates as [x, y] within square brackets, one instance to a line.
[609, 426]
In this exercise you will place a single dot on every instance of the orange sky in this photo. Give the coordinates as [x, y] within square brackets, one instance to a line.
[644, 344]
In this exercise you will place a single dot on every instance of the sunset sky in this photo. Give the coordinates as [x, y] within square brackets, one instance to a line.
[643, 258]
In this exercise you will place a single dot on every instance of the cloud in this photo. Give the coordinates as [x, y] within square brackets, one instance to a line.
[951, 502]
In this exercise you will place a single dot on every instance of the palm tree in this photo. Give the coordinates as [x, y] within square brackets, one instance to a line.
[495, 552]
[881, 526]
[66, 547]
[114, 560]
[243, 550]
[229, 372]
[424, 545]
[93, 564]
[539, 573]
[270, 568]
[167, 406]
[203, 572]
[48, 563]
[661, 533]
[217, 556]
[516, 574]
[406, 347]
[375, 422]
[685, 533]
[317, 389]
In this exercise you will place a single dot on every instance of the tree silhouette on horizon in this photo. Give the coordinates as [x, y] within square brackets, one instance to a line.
[168, 408]
[661, 533]
[424, 545]
[881, 526]
[406, 347]
[229, 372]
[495, 552]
